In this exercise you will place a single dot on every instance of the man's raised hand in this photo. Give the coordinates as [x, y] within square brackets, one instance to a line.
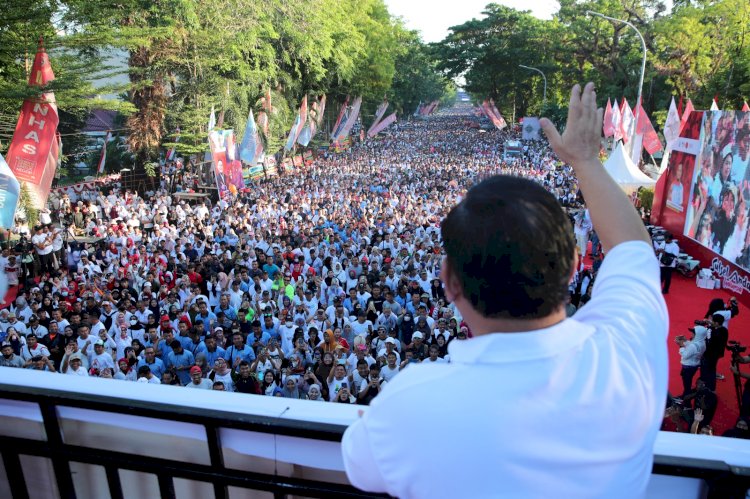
[580, 142]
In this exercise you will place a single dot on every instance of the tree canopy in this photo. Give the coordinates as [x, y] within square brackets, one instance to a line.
[699, 49]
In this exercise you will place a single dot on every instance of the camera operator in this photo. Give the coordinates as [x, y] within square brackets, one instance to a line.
[715, 346]
[691, 353]
[737, 359]
[667, 252]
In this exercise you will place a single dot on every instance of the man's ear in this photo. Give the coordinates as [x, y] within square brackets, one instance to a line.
[576, 262]
[451, 283]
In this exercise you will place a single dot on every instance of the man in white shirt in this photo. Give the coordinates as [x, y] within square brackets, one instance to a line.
[549, 432]
[667, 252]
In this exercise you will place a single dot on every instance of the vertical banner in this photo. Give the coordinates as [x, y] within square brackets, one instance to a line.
[103, 158]
[384, 124]
[225, 162]
[173, 151]
[340, 120]
[10, 191]
[34, 149]
[351, 119]
[249, 141]
[378, 116]
[531, 128]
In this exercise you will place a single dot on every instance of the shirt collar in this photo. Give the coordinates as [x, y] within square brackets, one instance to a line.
[520, 346]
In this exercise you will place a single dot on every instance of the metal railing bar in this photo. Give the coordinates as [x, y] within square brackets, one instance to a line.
[115, 485]
[190, 471]
[14, 472]
[166, 486]
[213, 437]
[242, 421]
[60, 464]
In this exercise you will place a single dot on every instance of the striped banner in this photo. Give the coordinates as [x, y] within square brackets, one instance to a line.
[103, 158]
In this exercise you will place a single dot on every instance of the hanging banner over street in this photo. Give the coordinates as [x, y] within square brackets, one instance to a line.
[34, 149]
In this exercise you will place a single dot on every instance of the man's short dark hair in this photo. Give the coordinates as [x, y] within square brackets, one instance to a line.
[511, 245]
[718, 319]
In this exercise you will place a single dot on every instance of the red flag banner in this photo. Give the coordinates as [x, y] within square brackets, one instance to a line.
[609, 129]
[745, 107]
[644, 127]
[33, 151]
[688, 109]
[384, 124]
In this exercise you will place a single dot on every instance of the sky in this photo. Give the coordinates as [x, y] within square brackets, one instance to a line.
[433, 17]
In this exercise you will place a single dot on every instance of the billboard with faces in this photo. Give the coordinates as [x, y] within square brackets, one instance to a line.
[709, 183]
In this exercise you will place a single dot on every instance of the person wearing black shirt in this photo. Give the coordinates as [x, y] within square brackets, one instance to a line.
[715, 347]
[245, 382]
[704, 399]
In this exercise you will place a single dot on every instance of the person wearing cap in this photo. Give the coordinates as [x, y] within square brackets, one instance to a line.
[509, 233]
[33, 348]
[73, 363]
[180, 360]
[100, 359]
[9, 358]
[198, 381]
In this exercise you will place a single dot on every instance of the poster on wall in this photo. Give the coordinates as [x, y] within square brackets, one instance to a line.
[716, 207]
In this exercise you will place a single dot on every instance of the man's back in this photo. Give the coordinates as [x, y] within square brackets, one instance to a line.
[571, 410]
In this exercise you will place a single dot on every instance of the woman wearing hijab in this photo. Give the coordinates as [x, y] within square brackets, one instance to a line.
[314, 393]
[290, 390]
[222, 373]
[406, 328]
[269, 384]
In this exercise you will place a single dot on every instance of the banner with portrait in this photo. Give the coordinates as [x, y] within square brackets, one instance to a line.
[531, 129]
[226, 163]
[716, 209]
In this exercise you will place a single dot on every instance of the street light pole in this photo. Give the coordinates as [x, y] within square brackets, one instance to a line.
[643, 62]
[544, 99]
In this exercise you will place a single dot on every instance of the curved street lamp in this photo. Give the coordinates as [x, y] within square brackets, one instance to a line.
[643, 62]
[544, 99]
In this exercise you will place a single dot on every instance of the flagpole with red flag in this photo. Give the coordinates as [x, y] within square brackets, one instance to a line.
[33, 151]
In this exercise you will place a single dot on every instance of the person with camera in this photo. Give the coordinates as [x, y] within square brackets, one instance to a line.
[667, 252]
[370, 388]
[691, 353]
[716, 344]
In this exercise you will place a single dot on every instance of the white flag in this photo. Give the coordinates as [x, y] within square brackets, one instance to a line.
[672, 125]
[714, 105]
[616, 121]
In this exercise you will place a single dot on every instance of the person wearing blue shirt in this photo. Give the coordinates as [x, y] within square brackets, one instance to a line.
[181, 360]
[153, 362]
[210, 351]
[205, 315]
[224, 306]
[272, 269]
[239, 351]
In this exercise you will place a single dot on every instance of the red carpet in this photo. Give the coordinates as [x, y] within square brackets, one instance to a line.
[687, 302]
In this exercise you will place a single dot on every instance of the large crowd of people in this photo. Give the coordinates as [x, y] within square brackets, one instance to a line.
[321, 284]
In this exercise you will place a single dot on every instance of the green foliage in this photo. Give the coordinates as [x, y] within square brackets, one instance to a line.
[26, 207]
[699, 49]
[647, 198]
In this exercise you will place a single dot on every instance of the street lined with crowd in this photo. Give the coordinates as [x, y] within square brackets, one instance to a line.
[319, 284]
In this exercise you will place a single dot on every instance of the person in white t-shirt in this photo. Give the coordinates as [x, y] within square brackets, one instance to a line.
[667, 252]
[607, 363]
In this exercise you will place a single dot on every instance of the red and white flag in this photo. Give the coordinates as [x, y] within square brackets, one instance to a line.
[714, 105]
[672, 125]
[33, 151]
[103, 158]
[745, 107]
[644, 127]
[609, 130]
[616, 121]
[688, 109]
[627, 123]
[173, 151]
[383, 124]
